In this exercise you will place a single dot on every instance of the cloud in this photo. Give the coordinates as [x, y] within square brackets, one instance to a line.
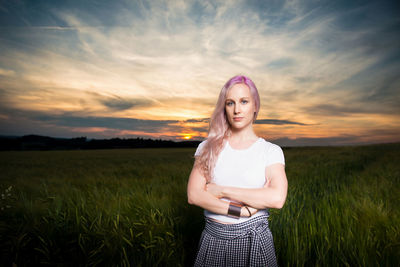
[280, 63]
[376, 103]
[150, 126]
[198, 120]
[119, 103]
[337, 110]
[6, 72]
[162, 60]
[70, 123]
[277, 122]
[116, 103]
[374, 136]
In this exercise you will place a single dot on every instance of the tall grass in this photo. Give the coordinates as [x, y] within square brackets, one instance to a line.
[129, 208]
[342, 207]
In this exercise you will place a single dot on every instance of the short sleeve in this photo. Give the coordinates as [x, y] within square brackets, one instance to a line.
[274, 155]
[199, 148]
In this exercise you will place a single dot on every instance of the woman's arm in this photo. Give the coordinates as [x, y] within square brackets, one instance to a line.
[272, 195]
[197, 195]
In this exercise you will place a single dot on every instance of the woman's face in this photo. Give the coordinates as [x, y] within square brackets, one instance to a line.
[239, 107]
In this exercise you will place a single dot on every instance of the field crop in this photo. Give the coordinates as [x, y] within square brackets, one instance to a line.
[128, 207]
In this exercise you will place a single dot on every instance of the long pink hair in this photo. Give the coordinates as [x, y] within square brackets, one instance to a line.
[219, 127]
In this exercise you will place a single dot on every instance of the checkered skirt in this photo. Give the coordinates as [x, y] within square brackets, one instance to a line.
[249, 243]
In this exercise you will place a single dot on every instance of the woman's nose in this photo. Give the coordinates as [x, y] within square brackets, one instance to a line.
[237, 109]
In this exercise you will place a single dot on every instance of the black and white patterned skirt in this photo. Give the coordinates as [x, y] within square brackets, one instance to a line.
[249, 243]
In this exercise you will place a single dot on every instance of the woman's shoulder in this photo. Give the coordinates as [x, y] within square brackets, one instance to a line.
[269, 145]
[200, 147]
[202, 143]
[273, 153]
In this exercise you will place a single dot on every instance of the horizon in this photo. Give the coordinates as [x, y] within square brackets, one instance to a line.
[328, 74]
[281, 142]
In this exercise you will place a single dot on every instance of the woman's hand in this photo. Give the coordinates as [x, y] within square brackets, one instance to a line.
[214, 189]
[272, 195]
[245, 211]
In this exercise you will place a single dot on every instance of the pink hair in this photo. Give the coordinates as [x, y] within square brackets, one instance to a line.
[219, 127]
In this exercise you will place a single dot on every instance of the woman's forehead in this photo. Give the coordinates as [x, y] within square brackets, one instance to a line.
[238, 90]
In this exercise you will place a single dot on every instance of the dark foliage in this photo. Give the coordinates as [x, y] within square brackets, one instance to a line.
[37, 142]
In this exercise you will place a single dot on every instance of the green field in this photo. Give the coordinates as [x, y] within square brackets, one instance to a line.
[129, 208]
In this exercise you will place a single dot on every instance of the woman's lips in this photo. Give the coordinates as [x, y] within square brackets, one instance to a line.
[237, 118]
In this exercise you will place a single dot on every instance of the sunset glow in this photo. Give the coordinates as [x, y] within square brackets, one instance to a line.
[187, 137]
[327, 72]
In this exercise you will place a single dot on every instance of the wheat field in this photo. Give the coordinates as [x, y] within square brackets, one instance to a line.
[128, 207]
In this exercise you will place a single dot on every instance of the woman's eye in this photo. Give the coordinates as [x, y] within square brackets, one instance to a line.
[245, 101]
[229, 103]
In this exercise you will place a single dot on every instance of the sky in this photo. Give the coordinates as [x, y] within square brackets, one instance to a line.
[328, 72]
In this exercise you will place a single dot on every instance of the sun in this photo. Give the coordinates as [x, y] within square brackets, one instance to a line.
[187, 137]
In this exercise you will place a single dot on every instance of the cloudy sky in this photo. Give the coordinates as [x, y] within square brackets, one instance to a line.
[328, 72]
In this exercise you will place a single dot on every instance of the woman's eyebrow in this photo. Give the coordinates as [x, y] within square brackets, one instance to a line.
[244, 97]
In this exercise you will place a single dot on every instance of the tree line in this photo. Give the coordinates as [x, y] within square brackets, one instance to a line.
[37, 142]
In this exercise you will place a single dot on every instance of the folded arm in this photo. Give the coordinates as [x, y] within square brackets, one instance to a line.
[199, 196]
[272, 195]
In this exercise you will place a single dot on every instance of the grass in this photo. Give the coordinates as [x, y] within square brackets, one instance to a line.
[129, 208]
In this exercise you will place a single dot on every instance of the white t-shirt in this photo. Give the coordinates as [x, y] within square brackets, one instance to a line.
[244, 168]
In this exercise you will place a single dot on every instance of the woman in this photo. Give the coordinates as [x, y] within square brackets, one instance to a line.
[236, 177]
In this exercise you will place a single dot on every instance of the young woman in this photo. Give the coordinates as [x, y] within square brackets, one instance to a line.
[236, 177]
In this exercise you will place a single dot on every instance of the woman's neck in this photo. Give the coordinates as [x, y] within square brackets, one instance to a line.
[243, 135]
